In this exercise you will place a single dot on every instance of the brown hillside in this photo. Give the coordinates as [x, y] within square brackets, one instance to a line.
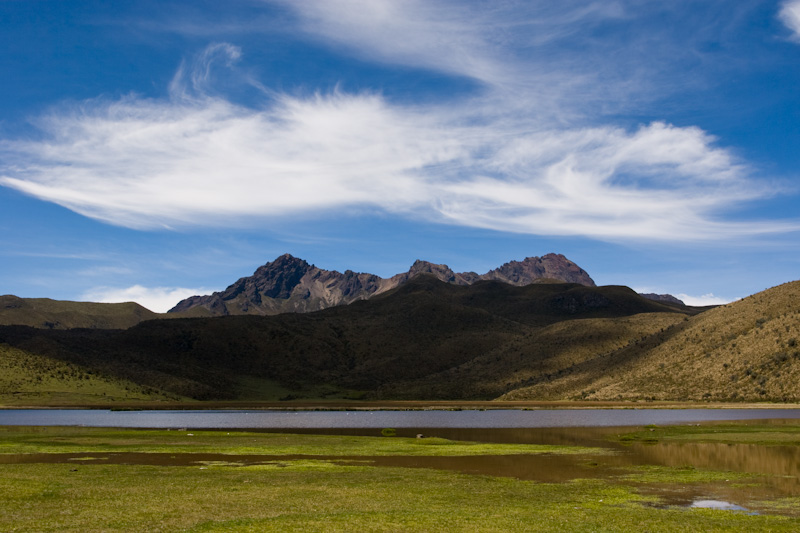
[748, 350]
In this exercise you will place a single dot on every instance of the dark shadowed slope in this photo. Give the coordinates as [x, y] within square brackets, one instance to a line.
[420, 329]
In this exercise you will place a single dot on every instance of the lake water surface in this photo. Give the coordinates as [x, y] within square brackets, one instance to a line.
[255, 419]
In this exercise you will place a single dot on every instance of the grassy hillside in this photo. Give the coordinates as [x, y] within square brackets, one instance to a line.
[540, 354]
[57, 314]
[426, 339]
[27, 378]
[747, 350]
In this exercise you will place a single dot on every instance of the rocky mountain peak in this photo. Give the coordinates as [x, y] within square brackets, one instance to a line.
[290, 284]
[279, 278]
[443, 272]
[549, 266]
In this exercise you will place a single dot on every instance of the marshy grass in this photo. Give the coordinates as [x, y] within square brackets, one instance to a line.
[312, 494]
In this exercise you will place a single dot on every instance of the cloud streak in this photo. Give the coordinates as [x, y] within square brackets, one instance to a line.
[156, 299]
[514, 156]
[704, 300]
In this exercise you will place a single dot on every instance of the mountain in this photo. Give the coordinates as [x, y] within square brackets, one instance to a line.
[289, 284]
[57, 314]
[424, 339]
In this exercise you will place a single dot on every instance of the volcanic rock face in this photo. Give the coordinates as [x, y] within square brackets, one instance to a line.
[289, 284]
[550, 266]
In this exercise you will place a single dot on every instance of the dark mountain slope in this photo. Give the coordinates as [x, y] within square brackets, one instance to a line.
[422, 328]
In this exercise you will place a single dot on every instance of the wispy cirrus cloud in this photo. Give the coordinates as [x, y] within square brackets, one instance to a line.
[790, 16]
[147, 164]
[406, 33]
[523, 154]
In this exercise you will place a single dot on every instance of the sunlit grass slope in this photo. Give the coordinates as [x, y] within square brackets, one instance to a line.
[746, 350]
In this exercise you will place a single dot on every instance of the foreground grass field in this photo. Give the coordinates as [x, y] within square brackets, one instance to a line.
[327, 483]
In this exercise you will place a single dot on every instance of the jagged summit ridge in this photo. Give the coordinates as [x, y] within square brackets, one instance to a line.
[290, 284]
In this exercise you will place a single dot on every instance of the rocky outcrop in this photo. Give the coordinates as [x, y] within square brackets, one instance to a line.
[290, 284]
[550, 266]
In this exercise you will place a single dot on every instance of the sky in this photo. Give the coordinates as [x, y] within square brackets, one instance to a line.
[155, 149]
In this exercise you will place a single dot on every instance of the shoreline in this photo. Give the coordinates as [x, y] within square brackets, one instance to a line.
[403, 405]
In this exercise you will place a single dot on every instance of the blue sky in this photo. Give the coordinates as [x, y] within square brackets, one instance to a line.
[150, 150]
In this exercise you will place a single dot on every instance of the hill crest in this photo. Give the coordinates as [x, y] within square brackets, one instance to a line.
[60, 314]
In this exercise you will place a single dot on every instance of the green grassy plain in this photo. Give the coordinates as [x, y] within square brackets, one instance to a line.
[774, 434]
[313, 494]
[15, 440]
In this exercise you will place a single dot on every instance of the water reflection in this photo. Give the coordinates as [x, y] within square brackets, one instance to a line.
[779, 461]
[776, 468]
[716, 504]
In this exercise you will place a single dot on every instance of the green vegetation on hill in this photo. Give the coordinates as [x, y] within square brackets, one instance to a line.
[747, 350]
[428, 340]
[58, 314]
[29, 378]
[540, 355]
[424, 340]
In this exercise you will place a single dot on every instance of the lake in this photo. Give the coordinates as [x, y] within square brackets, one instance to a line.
[420, 419]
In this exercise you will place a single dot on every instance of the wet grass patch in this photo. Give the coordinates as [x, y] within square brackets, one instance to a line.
[776, 433]
[683, 475]
[17, 440]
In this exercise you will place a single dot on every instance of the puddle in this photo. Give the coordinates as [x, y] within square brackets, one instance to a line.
[717, 504]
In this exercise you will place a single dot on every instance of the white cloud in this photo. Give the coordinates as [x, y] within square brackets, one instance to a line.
[512, 47]
[146, 164]
[198, 79]
[526, 160]
[157, 299]
[705, 299]
[414, 32]
[790, 16]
